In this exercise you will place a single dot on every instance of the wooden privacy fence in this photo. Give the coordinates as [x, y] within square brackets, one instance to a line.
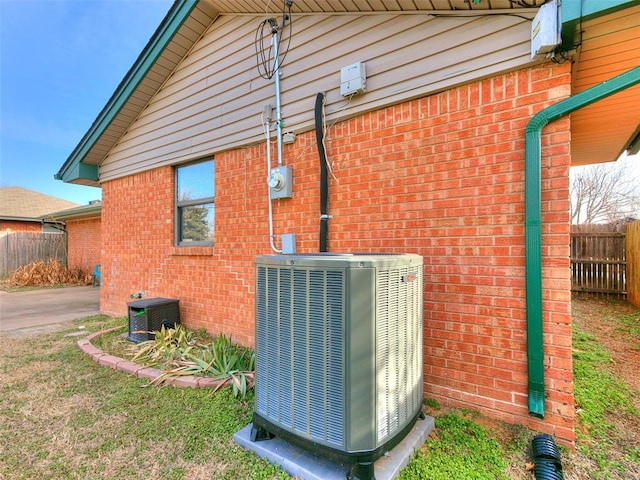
[598, 259]
[21, 248]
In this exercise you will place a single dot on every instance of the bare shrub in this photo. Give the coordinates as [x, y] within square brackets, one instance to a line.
[48, 273]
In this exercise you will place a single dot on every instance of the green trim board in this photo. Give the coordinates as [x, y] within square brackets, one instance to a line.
[574, 12]
[73, 168]
[78, 171]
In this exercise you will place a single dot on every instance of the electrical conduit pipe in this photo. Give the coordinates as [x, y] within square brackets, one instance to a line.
[270, 209]
[533, 222]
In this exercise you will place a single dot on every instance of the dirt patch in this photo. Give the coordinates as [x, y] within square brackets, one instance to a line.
[615, 326]
[599, 318]
[596, 317]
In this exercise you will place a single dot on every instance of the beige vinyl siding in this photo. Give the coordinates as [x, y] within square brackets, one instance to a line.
[214, 99]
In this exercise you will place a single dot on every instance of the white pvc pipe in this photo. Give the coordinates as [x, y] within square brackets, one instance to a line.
[270, 216]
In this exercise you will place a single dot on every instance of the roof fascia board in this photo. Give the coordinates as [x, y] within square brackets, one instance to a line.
[8, 218]
[176, 16]
[77, 213]
[78, 170]
[575, 12]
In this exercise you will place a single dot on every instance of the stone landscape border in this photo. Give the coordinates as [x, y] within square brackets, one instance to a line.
[140, 371]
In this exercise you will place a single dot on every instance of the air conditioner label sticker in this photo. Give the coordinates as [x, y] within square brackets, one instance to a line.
[409, 277]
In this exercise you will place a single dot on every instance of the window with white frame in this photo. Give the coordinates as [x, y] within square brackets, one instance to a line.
[195, 193]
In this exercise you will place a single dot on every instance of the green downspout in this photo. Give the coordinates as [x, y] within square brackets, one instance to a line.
[533, 222]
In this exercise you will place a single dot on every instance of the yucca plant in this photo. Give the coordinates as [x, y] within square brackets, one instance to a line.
[168, 346]
[221, 360]
[182, 352]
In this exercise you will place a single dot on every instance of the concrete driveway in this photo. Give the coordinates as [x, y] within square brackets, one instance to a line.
[48, 309]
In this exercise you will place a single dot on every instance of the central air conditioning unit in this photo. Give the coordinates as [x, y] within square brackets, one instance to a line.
[339, 353]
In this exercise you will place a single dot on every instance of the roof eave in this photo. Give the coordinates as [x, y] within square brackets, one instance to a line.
[574, 12]
[85, 212]
[9, 218]
[76, 171]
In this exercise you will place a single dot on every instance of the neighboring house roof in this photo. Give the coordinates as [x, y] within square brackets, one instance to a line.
[188, 20]
[84, 212]
[20, 204]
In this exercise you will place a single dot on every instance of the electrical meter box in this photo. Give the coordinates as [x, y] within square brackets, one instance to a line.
[353, 79]
[545, 30]
[280, 182]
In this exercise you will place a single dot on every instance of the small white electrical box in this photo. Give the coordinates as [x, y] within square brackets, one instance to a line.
[288, 138]
[288, 243]
[545, 30]
[353, 79]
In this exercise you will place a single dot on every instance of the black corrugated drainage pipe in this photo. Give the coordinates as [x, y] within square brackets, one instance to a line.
[546, 458]
[324, 180]
[533, 222]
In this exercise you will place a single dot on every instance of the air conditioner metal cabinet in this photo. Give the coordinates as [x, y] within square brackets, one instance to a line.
[339, 351]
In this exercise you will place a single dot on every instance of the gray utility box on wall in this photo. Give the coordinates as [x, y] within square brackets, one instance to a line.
[339, 352]
[150, 315]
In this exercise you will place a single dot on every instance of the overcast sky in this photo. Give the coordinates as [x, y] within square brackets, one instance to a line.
[60, 61]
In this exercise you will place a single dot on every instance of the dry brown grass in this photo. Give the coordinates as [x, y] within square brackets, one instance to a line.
[52, 272]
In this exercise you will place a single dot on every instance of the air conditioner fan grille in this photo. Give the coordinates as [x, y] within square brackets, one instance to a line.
[300, 351]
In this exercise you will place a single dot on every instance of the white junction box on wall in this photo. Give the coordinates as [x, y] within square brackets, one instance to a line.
[353, 79]
[545, 30]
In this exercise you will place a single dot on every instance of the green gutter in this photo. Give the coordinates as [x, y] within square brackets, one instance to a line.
[93, 210]
[73, 167]
[533, 222]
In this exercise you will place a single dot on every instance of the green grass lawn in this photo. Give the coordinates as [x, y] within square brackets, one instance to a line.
[62, 416]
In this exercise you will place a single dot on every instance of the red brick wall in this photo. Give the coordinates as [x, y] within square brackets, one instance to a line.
[14, 226]
[441, 176]
[83, 240]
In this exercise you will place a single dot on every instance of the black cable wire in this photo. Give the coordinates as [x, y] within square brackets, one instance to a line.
[576, 45]
[522, 3]
[481, 15]
[560, 55]
[263, 55]
[285, 17]
[265, 61]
